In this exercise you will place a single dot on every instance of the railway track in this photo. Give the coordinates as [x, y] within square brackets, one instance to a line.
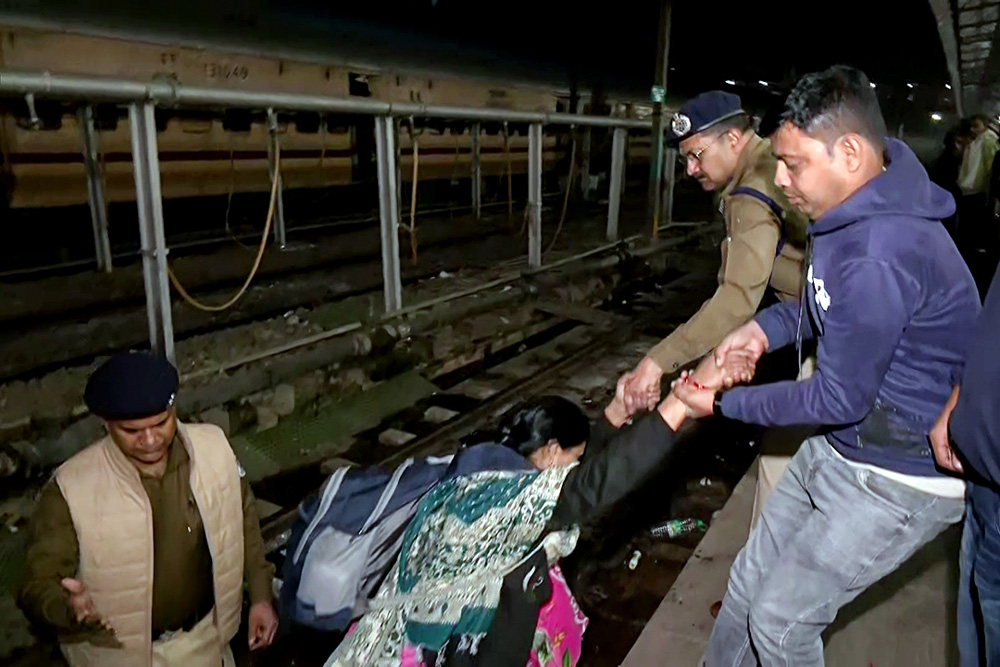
[70, 326]
[574, 350]
[578, 352]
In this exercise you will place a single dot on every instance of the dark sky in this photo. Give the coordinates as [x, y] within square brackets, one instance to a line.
[551, 41]
[894, 40]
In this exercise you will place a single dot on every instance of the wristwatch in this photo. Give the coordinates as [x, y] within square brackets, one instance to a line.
[717, 405]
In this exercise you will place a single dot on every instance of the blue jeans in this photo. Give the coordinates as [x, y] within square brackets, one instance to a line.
[979, 581]
[828, 531]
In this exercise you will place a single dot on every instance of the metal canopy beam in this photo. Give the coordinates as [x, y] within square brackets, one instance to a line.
[388, 204]
[949, 42]
[95, 188]
[973, 8]
[978, 24]
[983, 32]
[146, 170]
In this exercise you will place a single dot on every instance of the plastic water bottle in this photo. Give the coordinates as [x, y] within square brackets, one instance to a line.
[677, 527]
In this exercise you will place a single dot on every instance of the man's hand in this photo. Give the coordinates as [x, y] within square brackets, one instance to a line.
[738, 368]
[697, 389]
[263, 623]
[615, 412]
[642, 386]
[699, 402]
[749, 340]
[940, 442]
[83, 605]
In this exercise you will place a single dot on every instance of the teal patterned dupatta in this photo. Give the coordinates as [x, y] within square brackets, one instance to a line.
[467, 533]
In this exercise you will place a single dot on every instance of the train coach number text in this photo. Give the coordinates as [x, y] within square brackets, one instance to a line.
[226, 71]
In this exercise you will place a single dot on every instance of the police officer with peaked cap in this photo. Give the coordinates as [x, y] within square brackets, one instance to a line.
[765, 236]
[141, 542]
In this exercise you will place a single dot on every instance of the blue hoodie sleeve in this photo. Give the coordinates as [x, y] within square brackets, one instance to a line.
[780, 323]
[871, 304]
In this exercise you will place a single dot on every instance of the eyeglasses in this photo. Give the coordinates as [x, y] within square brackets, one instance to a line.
[683, 159]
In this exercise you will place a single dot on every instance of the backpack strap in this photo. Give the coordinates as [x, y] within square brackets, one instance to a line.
[387, 494]
[771, 204]
[329, 493]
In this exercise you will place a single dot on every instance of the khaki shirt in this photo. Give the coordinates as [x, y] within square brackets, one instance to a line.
[749, 264]
[182, 563]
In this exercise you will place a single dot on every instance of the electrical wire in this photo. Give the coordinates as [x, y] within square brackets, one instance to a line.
[569, 188]
[260, 251]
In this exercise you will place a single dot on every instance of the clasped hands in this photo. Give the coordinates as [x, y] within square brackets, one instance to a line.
[733, 362]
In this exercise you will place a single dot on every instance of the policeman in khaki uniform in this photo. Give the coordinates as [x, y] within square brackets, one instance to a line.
[764, 245]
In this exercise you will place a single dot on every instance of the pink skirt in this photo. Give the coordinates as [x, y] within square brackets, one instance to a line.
[558, 635]
[561, 624]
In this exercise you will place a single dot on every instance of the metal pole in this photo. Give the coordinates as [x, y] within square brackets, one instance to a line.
[146, 170]
[947, 31]
[535, 195]
[396, 130]
[617, 177]
[272, 151]
[657, 96]
[670, 165]
[477, 170]
[385, 150]
[585, 163]
[95, 189]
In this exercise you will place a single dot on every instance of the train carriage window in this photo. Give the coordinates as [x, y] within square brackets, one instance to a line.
[106, 117]
[237, 120]
[358, 85]
[161, 117]
[340, 124]
[307, 123]
[196, 125]
[48, 115]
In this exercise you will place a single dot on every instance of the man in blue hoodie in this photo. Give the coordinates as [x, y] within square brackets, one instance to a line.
[891, 305]
[966, 441]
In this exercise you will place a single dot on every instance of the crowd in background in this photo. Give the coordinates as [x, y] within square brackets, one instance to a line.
[969, 168]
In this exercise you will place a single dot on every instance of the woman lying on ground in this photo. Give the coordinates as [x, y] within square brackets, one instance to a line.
[470, 579]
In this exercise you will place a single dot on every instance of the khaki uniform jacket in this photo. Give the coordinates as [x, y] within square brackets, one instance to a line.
[749, 261]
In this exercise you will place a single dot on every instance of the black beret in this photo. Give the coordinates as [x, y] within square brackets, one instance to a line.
[131, 385]
[702, 112]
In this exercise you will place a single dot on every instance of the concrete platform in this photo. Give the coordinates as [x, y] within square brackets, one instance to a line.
[906, 619]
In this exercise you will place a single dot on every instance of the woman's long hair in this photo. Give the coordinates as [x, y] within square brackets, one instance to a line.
[527, 428]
